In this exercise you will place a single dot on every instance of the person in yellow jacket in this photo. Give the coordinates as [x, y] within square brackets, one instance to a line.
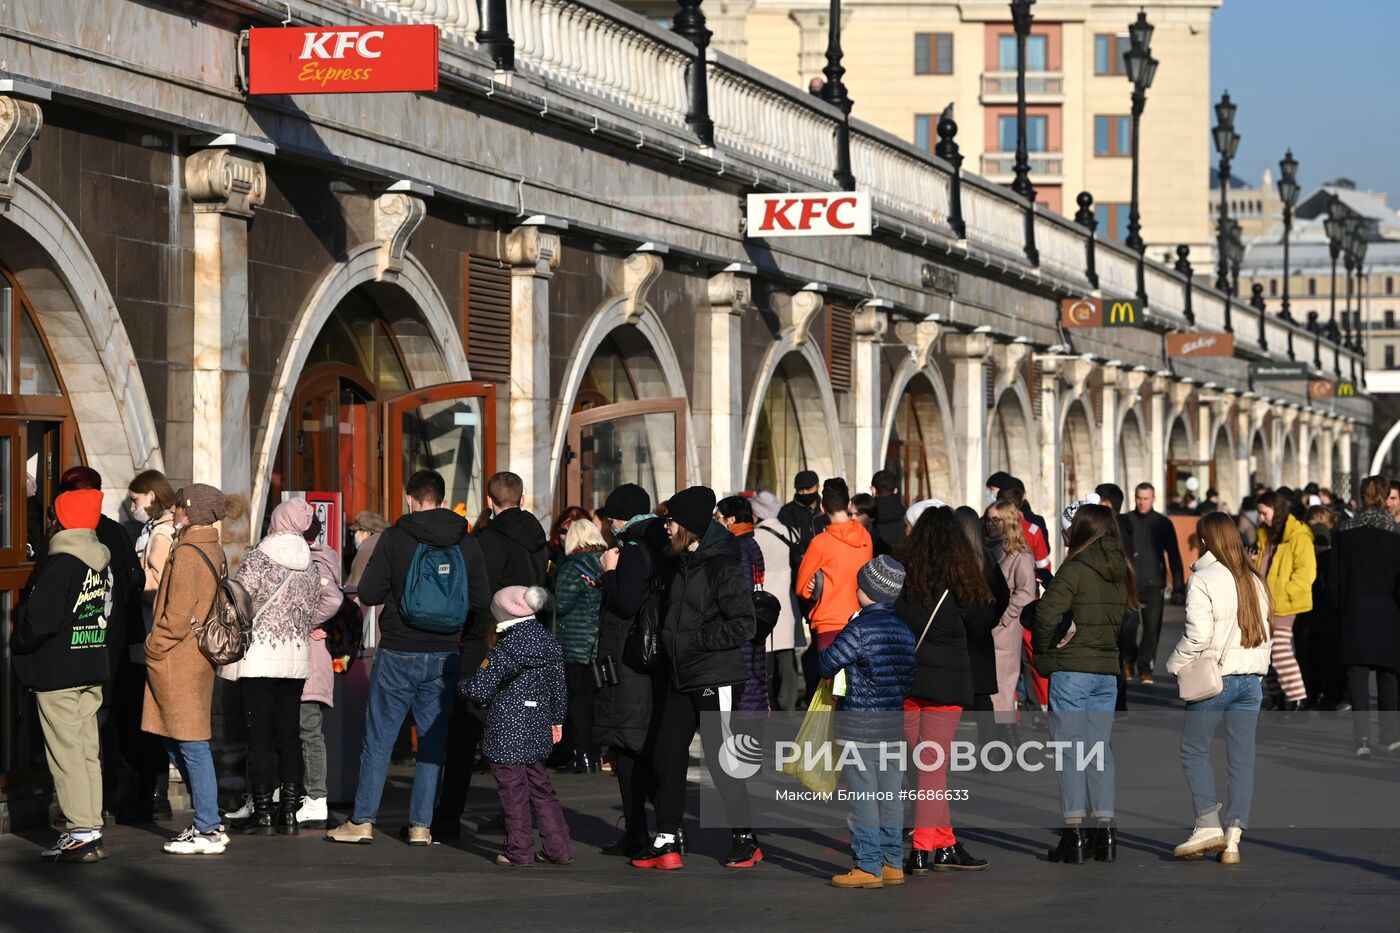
[1289, 564]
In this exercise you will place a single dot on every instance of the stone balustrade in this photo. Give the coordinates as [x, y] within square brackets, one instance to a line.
[768, 120]
[897, 175]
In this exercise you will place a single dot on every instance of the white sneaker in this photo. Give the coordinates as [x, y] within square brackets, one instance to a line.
[63, 841]
[1231, 853]
[313, 809]
[194, 842]
[1204, 840]
[243, 812]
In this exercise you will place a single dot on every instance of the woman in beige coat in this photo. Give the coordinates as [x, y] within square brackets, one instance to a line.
[179, 678]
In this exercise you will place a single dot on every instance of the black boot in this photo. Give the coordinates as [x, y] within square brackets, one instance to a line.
[1105, 842]
[632, 842]
[956, 858]
[918, 862]
[260, 823]
[287, 806]
[1073, 846]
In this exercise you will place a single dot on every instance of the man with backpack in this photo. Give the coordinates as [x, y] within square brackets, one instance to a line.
[430, 576]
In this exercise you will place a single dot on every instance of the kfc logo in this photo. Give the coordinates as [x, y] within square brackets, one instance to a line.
[810, 214]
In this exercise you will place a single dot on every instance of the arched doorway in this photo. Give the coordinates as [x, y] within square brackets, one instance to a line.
[1289, 475]
[359, 425]
[1186, 474]
[792, 432]
[1224, 464]
[1132, 452]
[38, 441]
[1008, 438]
[1258, 463]
[1077, 454]
[624, 428]
[917, 453]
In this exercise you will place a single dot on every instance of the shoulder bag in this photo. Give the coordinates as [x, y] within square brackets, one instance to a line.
[1201, 679]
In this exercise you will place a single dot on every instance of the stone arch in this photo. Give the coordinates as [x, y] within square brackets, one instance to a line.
[1259, 464]
[1133, 455]
[906, 374]
[1180, 444]
[832, 459]
[613, 313]
[1079, 472]
[1288, 464]
[1009, 445]
[1226, 467]
[430, 342]
[86, 336]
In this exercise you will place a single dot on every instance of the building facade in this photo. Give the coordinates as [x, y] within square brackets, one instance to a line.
[542, 269]
[906, 61]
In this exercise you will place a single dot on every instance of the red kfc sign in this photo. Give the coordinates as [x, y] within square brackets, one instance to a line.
[340, 59]
[819, 213]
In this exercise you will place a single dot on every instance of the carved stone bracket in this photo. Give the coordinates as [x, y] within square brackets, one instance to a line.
[20, 121]
[223, 181]
[1178, 394]
[871, 322]
[1288, 417]
[396, 216]
[731, 293]
[973, 346]
[1130, 383]
[1007, 357]
[639, 273]
[532, 250]
[1075, 374]
[799, 311]
[919, 337]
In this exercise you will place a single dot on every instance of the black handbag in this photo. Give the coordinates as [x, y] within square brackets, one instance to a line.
[642, 649]
[766, 610]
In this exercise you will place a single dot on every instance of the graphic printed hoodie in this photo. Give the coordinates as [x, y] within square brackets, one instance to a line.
[61, 641]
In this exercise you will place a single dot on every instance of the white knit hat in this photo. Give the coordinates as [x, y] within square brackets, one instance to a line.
[911, 514]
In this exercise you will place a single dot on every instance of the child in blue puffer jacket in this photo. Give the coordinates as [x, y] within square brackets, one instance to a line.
[521, 684]
[876, 650]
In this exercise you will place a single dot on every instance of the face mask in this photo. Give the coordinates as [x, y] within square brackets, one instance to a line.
[1253, 516]
[140, 514]
[808, 499]
[988, 497]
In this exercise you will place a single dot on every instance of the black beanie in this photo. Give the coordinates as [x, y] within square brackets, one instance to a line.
[693, 509]
[1000, 480]
[627, 502]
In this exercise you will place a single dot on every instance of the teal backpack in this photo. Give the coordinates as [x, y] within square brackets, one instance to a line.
[435, 592]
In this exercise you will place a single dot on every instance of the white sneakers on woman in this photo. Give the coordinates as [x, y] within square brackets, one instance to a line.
[1204, 840]
[1231, 855]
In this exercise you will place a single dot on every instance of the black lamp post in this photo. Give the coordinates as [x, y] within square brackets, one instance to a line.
[834, 93]
[1183, 265]
[1141, 68]
[1021, 19]
[689, 22]
[1288, 193]
[1227, 142]
[494, 35]
[1334, 228]
[1359, 249]
[1349, 234]
[1232, 249]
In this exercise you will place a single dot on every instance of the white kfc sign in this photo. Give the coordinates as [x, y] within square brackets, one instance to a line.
[816, 213]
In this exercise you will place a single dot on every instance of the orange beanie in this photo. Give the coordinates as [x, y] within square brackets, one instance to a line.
[80, 508]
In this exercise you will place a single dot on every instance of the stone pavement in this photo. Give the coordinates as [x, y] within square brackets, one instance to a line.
[1290, 880]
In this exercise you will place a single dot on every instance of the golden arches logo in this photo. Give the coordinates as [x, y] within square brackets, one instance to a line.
[1122, 312]
[1346, 388]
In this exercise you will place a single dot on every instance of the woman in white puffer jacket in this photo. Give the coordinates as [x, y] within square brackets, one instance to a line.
[285, 588]
[1227, 619]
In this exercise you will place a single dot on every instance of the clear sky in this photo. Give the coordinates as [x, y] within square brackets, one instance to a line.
[1317, 75]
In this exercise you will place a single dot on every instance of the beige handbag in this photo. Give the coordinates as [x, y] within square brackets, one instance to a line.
[1201, 679]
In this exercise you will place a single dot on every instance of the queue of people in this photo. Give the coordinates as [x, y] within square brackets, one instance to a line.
[608, 644]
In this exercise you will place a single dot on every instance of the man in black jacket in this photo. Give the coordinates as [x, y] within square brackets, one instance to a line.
[61, 653]
[709, 615]
[1154, 537]
[889, 510]
[414, 667]
[514, 547]
[800, 514]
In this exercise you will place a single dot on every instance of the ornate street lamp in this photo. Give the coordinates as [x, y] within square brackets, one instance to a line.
[1359, 249]
[689, 22]
[1334, 227]
[1349, 234]
[1227, 142]
[834, 93]
[1288, 193]
[1232, 249]
[1021, 19]
[1141, 68]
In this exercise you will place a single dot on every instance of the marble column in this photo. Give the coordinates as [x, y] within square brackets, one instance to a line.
[225, 185]
[969, 397]
[1108, 422]
[1048, 493]
[719, 403]
[1305, 464]
[1157, 438]
[1329, 465]
[533, 254]
[870, 325]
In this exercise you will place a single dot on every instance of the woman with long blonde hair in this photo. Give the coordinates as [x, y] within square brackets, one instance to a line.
[1228, 607]
[1001, 527]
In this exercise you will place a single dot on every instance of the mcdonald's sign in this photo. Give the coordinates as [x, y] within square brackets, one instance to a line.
[1346, 389]
[1096, 312]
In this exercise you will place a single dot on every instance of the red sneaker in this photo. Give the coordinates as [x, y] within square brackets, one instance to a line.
[665, 857]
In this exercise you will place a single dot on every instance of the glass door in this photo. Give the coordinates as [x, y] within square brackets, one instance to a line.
[450, 428]
[630, 442]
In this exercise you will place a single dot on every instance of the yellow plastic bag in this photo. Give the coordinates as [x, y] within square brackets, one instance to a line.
[815, 767]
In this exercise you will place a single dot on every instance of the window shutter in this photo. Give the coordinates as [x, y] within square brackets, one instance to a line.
[943, 57]
[486, 331]
[839, 332]
[1035, 380]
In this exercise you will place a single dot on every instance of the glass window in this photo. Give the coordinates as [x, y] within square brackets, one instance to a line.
[1037, 53]
[7, 316]
[36, 375]
[933, 53]
[1389, 285]
[1037, 133]
[1113, 221]
[923, 53]
[943, 48]
[1390, 320]
[924, 131]
[1113, 135]
[1312, 286]
[1390, 356]
[7, 506]
[1273, 287]
[1108, 54]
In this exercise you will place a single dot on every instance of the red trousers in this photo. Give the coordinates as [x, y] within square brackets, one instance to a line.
[1038, 685]
[934, 725]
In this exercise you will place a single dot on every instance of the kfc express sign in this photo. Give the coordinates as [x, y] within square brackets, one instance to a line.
[336, 60]
[819, 213]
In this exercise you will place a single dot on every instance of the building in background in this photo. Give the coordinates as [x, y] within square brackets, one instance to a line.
[906, 61]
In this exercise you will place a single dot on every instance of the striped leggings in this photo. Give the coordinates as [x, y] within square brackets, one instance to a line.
[1290, 676]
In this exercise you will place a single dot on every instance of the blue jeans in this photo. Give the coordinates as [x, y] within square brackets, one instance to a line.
[1081, 713]
[1239, 703]
[195, 763]
[402, 680]
[876, 825]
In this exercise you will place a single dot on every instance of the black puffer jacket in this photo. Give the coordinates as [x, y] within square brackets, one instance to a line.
[515, 549]
[889, 521]
[710, 615]
[622, 711]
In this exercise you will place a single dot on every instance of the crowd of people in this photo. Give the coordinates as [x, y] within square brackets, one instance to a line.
[606, 643]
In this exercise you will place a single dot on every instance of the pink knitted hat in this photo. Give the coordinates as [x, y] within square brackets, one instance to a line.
[518, 602]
